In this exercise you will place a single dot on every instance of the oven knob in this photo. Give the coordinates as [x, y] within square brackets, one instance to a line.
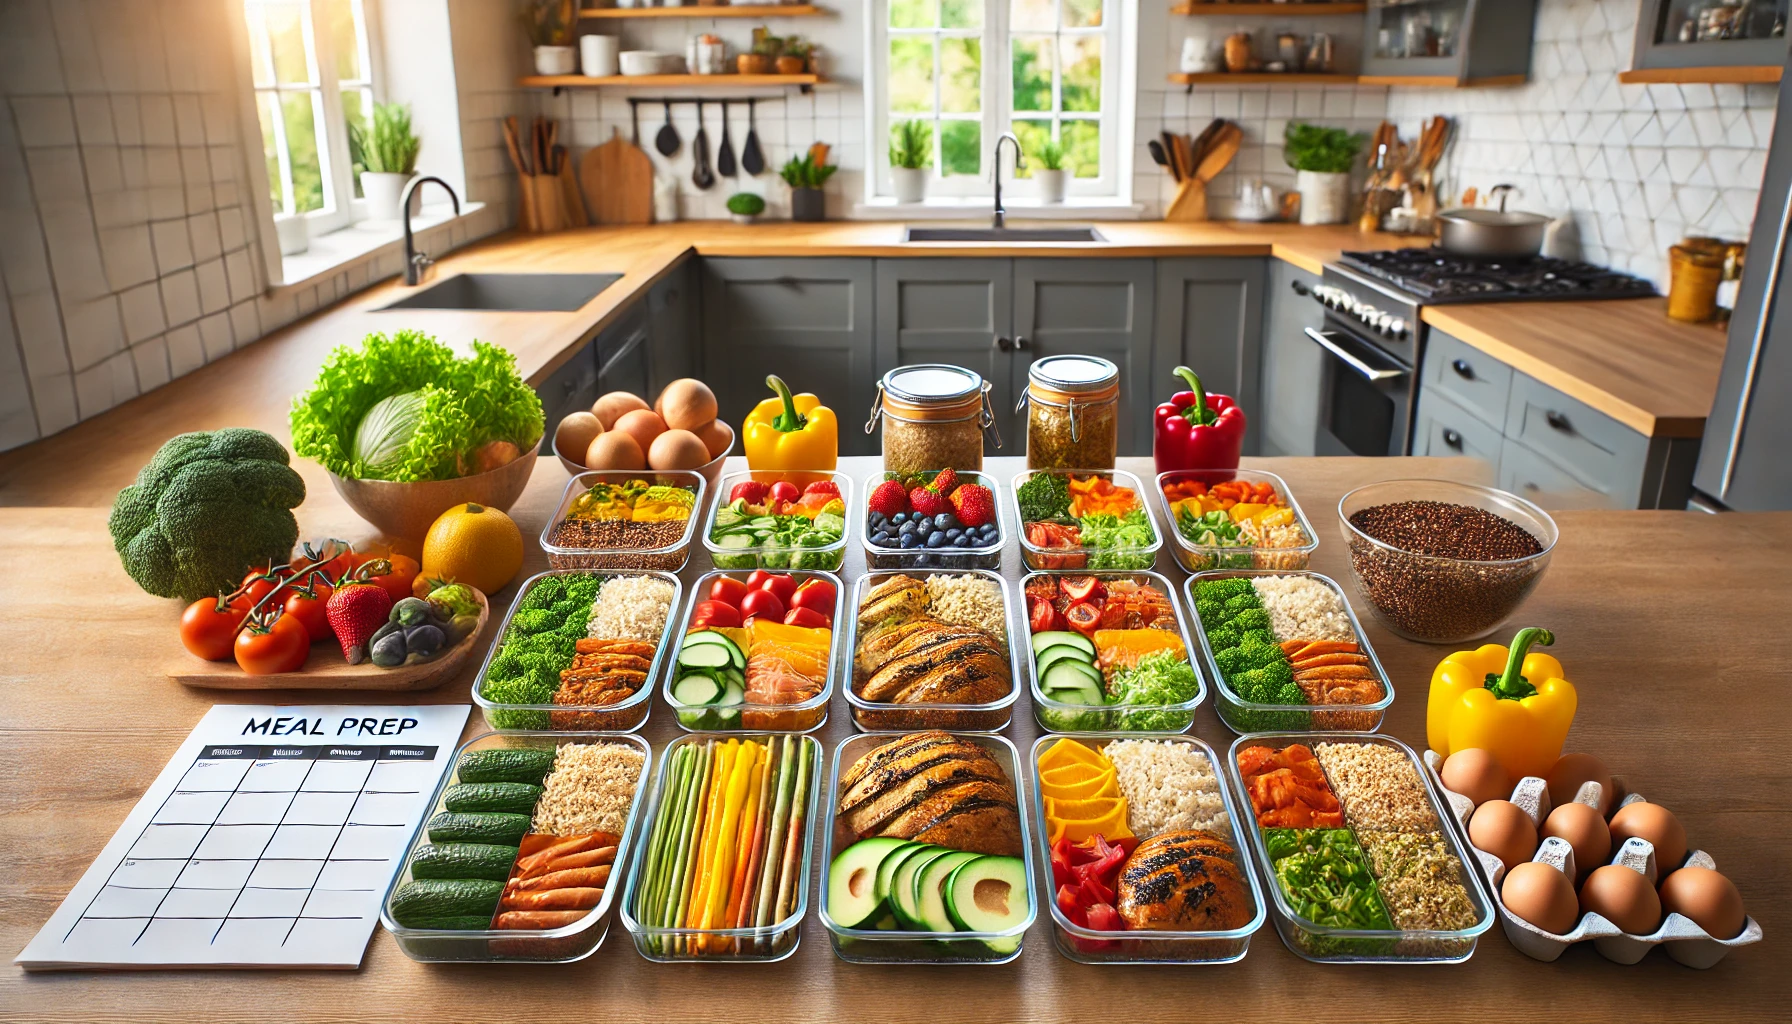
[1397, 329]
[1367, 314]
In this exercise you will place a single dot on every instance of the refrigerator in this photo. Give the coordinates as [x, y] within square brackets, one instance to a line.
[1745, 460]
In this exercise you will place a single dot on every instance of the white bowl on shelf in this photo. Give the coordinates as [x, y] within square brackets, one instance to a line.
[650, 62]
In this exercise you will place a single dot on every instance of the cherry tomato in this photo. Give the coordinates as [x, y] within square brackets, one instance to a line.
[715, 615]
[281, 646]
[397, 582]
[208, 627]
[784, 490]
[309, 610]
[808, 618]
[817, 594]
[728, 591]
[256, 585]
[1044, 618]
[762, 603]
[756, 579]
[1083, 617]
[781, 585]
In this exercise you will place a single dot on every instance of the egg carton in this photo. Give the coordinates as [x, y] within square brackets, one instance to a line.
[1689, 944]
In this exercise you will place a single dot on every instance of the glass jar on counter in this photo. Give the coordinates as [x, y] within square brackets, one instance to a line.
[1073, 418]
[934, 416]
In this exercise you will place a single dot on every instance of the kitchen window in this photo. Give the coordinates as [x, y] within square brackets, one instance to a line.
[1046, 70]
[312, 65]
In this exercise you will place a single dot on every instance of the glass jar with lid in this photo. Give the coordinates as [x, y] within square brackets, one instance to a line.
[1073, 420]
[934, 416]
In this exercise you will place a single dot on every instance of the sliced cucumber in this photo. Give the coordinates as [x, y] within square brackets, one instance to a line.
[734, 541]
[733, 693]
[696, 642]
[1059, 652]
[693, 690]
[930, 887]
[1063, 682]
[706, 656]
[902, 887]
[893, 860]
[1053, 637]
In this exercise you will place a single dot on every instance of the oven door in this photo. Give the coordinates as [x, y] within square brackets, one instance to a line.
[1365, 397]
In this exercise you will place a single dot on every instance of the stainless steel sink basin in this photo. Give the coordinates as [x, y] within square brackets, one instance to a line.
[1064, 234]
[514, 292]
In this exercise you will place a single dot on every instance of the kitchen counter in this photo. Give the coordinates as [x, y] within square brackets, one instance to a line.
[1681, 684]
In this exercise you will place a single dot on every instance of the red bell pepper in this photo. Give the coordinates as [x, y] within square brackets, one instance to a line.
[1197, 430]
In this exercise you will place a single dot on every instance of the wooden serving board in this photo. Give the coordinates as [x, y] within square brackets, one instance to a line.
[326, 669]
[617, 179]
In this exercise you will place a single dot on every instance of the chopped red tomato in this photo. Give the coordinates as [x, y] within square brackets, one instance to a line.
[1085, 618]
[715, 615]
[1082, 588]
[1042, 617]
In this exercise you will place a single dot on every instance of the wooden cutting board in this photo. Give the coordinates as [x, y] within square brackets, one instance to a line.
[617, 179]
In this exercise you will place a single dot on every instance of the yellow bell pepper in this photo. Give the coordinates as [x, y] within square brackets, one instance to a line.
[791, 432]
[1513, 704]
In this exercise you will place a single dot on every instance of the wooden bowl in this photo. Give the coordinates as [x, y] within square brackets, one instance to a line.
[754, 64]
[407, 510]
[711, 470]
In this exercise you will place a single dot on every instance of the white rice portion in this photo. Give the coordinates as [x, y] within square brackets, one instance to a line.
[1167, 786]
[589, 790]
[968, 601]
[1302, 608]
[631, 608]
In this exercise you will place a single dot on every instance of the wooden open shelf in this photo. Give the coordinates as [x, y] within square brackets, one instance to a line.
[1730, 75]
[1260, 78]
[721, 81]
[1218, 7]
[1440, 81]
[713, 11]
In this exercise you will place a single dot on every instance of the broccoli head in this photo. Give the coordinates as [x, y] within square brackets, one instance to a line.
[1221, 590]
[1251, 619]
[1264, 685]
[207, 507]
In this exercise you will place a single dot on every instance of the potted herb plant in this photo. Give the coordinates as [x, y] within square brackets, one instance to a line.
[551, 25]
[387, 155]
[1050, 172]
[1322, 158]
[745, 207]
[762, 59]
[794, 60]
[911, 159]
[806, 175]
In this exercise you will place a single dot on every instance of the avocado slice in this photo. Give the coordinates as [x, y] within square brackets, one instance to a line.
[889, 864]
[930, 895]
[902, 887]
[988, 894]
[852, 880]
[1053, 637]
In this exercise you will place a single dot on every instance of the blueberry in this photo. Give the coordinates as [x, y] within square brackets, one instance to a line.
[937, 539]
[909, 540]
[924, 528]
[954, 535]
[881, 539]
[899, 518]
[990, 532]
[907, 529]
[944, 521]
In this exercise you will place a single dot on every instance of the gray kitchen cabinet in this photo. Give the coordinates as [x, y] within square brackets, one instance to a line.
[1285, 413]
[1447, 42]
[1669, 36]
[615, 360]
[1443, 428]
[1476, 381]
[807, 320]
[671, 315]
[1210, 319]
[1098, 307]
[571, 387]
[954, 311]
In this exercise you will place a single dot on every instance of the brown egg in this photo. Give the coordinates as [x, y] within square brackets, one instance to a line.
[686, 404]
[1570, 771]
[717, 435]
[677, 449]
[1623, 897]
[1582, 828]
[1707, 897]
[610, 407]
[573, 437]
[615, 449]
[1656, 824]
[643, 425]
[1503, 829]
[1476, 774]
[1541, 895]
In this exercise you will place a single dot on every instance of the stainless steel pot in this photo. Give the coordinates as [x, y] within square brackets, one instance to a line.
[1492, 233]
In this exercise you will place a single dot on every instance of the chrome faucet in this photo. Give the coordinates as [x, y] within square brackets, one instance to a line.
[1020, 164]
[415, 262]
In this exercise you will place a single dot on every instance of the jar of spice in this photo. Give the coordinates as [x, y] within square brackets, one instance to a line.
[934, 416]
[1073, 420]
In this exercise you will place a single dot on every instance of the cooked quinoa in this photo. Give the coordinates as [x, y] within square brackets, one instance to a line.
[1167, 785]
[589, 790]
[968, 601]
[1420, 880]
[1378, 786]
[631, 608]
[1302, 608]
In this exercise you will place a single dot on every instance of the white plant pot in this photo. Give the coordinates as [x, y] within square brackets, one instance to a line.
[910, 183]
[1052, 184]
[294, 234]
[555, 60]
[744, 218]
[597, 55]
[1324, 196]
[383, 191]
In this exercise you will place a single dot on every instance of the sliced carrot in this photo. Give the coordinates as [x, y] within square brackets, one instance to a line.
[537, 918]
[571, 878]
[1322, 660]
[1335, 672]
[532, 863]
[586, 859]
[1313, 648]
[555, 899]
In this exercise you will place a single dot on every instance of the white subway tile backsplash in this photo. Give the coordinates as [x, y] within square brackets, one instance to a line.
[158, 120]
[93, 331]
[214, 288]
[214, 334]
[180, 296]
[129, 257]
[186, 352]
[142, 310]
[189, 120]
[151, 362]
[203, 229]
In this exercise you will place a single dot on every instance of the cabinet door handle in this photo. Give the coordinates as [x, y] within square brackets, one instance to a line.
[1558, 421]
[1300, 287]
[1004, 344]
[1453, 439]
[1020, 342]
[1463, 369]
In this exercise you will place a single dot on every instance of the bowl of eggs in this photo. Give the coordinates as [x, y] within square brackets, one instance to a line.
[1571, 857]
[680, 430]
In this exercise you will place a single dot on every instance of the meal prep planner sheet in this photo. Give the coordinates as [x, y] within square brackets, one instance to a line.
[268, 841]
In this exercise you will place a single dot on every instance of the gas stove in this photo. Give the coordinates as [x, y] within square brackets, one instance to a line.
[1435, 277]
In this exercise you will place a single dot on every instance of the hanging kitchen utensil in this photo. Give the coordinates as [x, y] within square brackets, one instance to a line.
[752, 158]
[725, 165]
[634, 119]
[1158, 156]
[667, 141]
[701, 175]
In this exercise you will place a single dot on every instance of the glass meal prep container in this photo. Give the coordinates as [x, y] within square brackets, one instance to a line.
[604, 548]
[1073, 412]
[724, 714]
[1060, 716]
[739, 550]
[776, 941]
[934, 417]
[1136, 552]
[1093, 946]
[894, 946]
[887, 715]
[1325, 944]
[1196, 557]
[565, 944]
[894, 556]
[1242, 716]
[625, 715]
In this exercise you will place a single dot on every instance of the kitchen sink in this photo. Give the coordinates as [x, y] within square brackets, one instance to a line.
[516, 292]
[1064, 234]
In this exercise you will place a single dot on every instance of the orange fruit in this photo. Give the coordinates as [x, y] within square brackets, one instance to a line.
[475, 545]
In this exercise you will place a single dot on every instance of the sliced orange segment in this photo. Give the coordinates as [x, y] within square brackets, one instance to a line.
[1069, 751]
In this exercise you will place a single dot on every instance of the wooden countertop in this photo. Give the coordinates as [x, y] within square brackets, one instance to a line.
[1682, 691]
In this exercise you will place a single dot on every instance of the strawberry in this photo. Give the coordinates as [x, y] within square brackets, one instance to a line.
[822, 487]
[355, 611]
[974, 505]
[889, 498]
[928, 501]
[945, 483]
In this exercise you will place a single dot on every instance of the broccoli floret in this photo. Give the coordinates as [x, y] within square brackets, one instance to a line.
[1290, 693]
[1260, 636]
[1211, 610]
[1237, 604]
[1232, 661]
[1251, 619]
[1220, 590]
[1263, 685]
[1224, 637]
[207, 507]
[534, 620]
[545, 592]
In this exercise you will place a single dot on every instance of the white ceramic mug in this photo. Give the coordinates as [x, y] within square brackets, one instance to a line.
[597, 55]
